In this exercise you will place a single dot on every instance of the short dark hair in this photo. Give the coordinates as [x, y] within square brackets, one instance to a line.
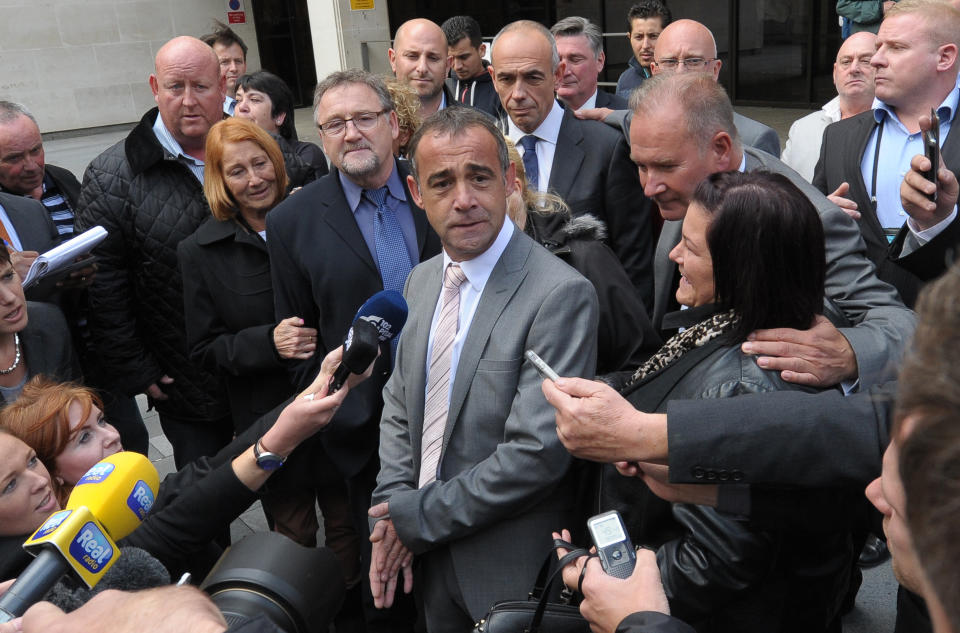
[225, 36]
[649, 9]
[929, 391]
[454, 121]
[281, 98]
[461, 26]
[766, 243]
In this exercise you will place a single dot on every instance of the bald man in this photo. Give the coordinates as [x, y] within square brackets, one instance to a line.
[853, 77]
[689, 46]
[147, 191]
[419, 58]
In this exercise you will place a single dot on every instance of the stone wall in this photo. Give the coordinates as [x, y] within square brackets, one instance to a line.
[78, 64]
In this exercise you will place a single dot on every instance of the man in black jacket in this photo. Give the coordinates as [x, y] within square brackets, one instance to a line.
[469, 82]
[147, 192]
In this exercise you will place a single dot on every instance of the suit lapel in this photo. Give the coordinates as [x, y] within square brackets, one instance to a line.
[663, 267]
[859, 190]
[425, 299]
[419, 215]
[567, 157]
[502, 285]
[338, 215]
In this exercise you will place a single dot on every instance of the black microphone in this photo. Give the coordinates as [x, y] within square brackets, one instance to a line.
[135, 569]
[359, 350]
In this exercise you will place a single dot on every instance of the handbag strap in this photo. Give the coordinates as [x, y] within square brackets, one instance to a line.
[573, 554]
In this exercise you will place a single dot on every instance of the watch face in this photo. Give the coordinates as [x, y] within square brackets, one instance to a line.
[269, 461]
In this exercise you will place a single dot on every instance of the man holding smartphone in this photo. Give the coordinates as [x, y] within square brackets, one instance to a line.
[863, 159]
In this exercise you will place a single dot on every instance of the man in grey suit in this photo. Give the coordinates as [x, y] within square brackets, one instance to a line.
[472, 474]
[584, 162]
[684, 132]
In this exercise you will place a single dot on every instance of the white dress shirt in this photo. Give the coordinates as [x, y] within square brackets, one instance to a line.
[477, 271]
[547, 132]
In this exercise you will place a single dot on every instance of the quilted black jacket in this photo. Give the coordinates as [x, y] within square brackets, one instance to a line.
[148, 202]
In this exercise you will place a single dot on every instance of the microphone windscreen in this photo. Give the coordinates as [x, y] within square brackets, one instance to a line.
[361, 346]
[387, 310]
[118, 491]
[135, 569]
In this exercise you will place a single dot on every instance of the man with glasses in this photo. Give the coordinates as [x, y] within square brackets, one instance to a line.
[853, 78]
[334, 244]
[688, 46]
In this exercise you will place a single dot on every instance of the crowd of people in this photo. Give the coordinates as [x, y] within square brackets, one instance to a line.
[734, 334]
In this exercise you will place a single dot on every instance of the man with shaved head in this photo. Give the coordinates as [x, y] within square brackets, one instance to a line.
[584, 162]
[419, 58]
[688, 46]
[147, 191]
[853, 78]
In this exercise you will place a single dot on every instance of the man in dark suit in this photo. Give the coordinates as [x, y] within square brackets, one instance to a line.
[337, 242]
[473, 478]
[580, 45]
[863, 159]
[24, 172]
[584, 162]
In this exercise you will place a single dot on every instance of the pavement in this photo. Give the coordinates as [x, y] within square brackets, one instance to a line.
[875, 609]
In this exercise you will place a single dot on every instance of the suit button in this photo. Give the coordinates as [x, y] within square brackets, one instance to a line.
[699, 473]
[724, 475]
[711, 475]
[737, 475]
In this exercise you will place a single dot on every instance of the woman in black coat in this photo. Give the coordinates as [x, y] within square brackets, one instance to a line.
[228, 304]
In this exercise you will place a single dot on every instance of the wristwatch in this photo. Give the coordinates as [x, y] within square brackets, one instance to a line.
[267, 460]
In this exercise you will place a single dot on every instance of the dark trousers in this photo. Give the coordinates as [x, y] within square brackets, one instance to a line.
[124, 414]
[402, 616]
[192, 439]
[444, 609]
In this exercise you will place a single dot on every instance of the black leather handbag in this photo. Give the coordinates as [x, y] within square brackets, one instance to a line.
[537, 613]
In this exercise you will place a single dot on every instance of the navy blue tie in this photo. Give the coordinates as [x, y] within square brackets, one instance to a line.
[530, 165]
[393, 259]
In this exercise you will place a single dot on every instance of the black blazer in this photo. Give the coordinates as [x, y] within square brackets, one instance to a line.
[228, 309]
[31, 222]
[66, 182]
[610, 100]
[323, 272]
[593, 173]
[841, 153]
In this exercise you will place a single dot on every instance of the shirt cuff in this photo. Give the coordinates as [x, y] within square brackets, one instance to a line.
[926, 235]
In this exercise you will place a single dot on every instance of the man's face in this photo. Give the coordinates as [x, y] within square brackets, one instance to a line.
[682, 41]
[852, 72]
[905, 60]
[466, 61]
[233, 64]
[580, 69]
[887, 494]
[643, 37]
[21, 156]
[523, 78]
[419, 58]
[188, 90]
[670, 164]
[360, 155]
[463, 189]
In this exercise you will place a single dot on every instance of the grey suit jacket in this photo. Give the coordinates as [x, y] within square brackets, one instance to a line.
[31, 222]
[879, 324]
[499, 492]
[756, 134]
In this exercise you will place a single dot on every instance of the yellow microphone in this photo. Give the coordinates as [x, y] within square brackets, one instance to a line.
[108, 503]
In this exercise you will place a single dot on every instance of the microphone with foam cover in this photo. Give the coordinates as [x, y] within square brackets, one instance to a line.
[387, 310]
[108, 503]
[359, 350]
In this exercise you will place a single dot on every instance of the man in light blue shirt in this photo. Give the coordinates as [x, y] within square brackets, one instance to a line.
[863, 159]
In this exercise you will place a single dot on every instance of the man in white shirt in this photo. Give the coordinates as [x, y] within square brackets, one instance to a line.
[580, 45]
[853, 78]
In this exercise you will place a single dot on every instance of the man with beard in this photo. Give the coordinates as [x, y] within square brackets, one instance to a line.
[334, 244]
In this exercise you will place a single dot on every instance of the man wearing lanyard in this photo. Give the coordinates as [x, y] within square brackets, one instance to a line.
[864, 159]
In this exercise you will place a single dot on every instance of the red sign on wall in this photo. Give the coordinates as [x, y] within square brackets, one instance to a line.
[235, 12]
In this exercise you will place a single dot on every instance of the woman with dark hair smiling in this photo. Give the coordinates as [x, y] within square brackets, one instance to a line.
[751, 257]
[265, 99]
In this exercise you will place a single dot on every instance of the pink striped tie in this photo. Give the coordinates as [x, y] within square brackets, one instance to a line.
[437, 403]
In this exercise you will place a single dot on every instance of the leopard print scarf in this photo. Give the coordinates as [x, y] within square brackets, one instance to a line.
[679, 344]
